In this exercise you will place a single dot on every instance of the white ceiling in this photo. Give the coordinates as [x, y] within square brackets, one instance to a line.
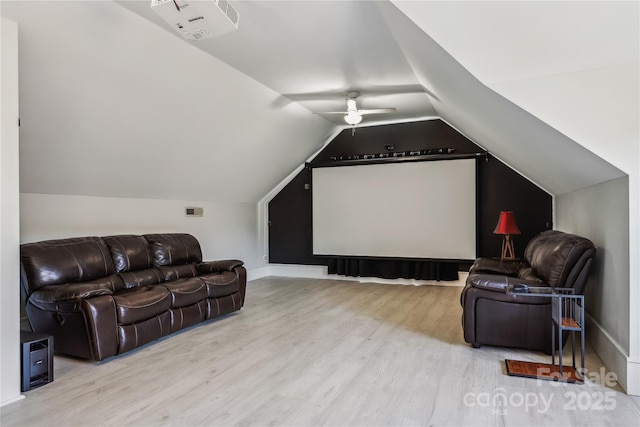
[317, 51]
[115, 103]
[314, 53]
[511, 40]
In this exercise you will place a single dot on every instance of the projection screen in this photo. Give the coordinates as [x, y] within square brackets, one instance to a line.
[406, 210]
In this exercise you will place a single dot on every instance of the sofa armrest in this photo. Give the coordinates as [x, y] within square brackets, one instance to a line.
[490, 282]
[218, 266]
[493, 287]
[497, 266]
[498, 282]
[102, 327]
[54, 296]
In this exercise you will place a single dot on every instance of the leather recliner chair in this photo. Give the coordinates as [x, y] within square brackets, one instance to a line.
[493, 316]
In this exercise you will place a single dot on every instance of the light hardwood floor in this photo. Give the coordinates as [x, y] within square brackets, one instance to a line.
[306, 352]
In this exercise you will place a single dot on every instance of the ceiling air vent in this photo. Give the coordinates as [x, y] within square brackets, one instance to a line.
[193, 211]
[228, 10]
[198, 19]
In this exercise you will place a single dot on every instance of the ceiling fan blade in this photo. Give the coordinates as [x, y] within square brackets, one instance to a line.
[377, 111]
[332, 94]
[361, 112]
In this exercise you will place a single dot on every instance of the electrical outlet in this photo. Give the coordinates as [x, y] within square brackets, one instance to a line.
[265, 258]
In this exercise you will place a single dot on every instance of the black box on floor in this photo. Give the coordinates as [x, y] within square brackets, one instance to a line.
[37, 359]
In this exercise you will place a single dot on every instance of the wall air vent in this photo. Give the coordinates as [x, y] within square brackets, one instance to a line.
[193, 211]
[198, 19]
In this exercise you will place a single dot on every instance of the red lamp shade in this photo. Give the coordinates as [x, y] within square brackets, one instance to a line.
[506, 224]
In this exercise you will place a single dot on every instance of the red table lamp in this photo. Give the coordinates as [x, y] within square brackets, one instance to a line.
[507, 226]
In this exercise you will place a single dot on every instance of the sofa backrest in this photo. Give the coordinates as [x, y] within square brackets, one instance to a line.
[133, 260]
[560, 259]
[174, 249]
[55, 262]
[138, 260]
[129, 252]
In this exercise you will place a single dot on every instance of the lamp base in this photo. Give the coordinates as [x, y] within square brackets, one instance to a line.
[507, 248]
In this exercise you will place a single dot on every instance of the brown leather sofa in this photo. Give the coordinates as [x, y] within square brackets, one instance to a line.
[493, 316]
[103, 296]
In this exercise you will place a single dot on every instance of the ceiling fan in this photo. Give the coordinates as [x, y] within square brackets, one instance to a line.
[353, 115]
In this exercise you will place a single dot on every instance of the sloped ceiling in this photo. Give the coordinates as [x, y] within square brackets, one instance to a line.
[314, 53]
[112, 105]
[115, 103]
[572, 64]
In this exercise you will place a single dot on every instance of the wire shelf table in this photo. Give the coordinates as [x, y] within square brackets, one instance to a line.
[567, 315]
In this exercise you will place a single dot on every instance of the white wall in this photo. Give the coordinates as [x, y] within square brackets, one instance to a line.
[601, 213]
[104, 90]
[227, 230]
[9, 217]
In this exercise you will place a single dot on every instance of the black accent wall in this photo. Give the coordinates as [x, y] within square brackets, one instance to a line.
[499, 188]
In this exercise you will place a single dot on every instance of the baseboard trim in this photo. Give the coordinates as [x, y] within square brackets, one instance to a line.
[294, 270]
[285, 270]
[614, 357]
[633, 376]
[257, 273]
[12, 400]
[320, 272]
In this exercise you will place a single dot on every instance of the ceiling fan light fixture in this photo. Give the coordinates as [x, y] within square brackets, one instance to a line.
[353, 118]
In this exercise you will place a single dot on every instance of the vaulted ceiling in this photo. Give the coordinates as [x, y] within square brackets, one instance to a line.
[115, 103]
[315, 52]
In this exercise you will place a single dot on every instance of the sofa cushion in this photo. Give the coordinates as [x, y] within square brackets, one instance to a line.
[221, 284]
[186, 292]
[173, 272]
[149, 276]
[141, 303]
[129, 252]
[55, 262]
[174, 248]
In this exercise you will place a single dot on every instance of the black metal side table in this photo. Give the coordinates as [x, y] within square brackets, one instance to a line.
[567, 314]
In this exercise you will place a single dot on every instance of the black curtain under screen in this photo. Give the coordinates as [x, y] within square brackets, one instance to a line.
[393, 268]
